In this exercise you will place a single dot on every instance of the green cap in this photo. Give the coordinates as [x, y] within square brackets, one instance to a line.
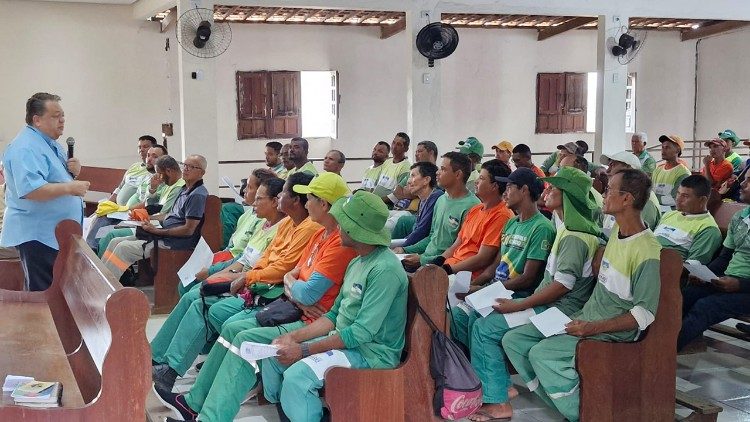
[328, 186]
[471, 146]
[362, 216]
[730, 135]
[578, 200]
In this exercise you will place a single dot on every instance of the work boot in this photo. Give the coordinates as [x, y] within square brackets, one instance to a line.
[164, 377]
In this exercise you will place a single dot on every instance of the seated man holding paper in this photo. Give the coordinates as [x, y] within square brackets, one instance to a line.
[519, 265]
[180, 228]
[158, 200]
[623, 302]
[364, 329]
[197, 319]
[711, 301]
[227, 376]
[448, 215]
[150, 180]
[567, 284]
[691, 230]
[478, 241]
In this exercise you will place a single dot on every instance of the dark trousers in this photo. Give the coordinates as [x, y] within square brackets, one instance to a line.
[704, 306]
[37, 260]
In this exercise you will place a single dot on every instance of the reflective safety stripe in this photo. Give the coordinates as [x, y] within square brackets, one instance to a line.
[232, 348]
[555, 396]
[115, 260]
[533, 384]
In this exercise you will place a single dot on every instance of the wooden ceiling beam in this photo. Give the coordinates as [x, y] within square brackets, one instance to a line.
[387, 31]
[710, 30]
[564, 27]
[251, 12]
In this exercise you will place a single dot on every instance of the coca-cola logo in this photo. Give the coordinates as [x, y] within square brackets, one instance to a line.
[462, 402]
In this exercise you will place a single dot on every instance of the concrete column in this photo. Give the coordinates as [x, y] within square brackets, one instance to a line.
[198, 105]
[610, 96]
[423, 93]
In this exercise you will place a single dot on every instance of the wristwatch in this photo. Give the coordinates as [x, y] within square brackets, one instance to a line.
[305, 349]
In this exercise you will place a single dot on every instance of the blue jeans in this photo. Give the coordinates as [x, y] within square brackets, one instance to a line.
[37, 260]
[704, 306]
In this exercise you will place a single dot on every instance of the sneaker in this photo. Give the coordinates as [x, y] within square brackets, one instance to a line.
[198, 367]
[164, 377]
[176, 403]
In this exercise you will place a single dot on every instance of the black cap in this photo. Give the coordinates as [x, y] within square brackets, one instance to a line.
[524, 177]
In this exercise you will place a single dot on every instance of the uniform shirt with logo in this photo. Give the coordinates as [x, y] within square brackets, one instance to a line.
[693, 236]
[666, 181]
[389, 176]
[738, 239]
[372, 174]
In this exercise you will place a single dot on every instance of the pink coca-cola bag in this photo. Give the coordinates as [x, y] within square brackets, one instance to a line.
[458, 390]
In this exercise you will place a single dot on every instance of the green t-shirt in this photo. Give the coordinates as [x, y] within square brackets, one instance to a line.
[599, 199]
[569, 264]
[521, 241]
[550, 162]
[141, 193]
[130, 181]
[447, 219]
[666, 182]
[736, 161]
[651, 215]
[257, 243]
[370, 311]
[308, 167]
[471, 184]
[247, 225]
[629, 281]
[738, 238]
[372, 174]
[694, 236]
[648, 164]
[389, 176]
[169, 194]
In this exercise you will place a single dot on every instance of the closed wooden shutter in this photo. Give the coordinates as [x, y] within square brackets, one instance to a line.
[574, 111]
[550, 97]
[268, 105]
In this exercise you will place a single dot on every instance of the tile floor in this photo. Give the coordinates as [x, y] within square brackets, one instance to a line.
[721, 374]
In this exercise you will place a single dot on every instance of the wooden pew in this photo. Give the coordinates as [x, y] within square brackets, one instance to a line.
[12, 277]
[85, 331]
[165, 279]
[724, 212]
[636, 381]
[103, 181]
[404, 393]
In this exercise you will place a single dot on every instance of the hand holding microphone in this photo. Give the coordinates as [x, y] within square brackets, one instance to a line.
[74, 166]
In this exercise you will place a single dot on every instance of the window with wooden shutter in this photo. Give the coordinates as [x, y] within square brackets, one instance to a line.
[268, 105]
[561, 102]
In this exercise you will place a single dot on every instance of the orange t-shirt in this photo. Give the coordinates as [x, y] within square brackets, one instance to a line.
[538, 171]
[720, 173]
[330, 259]
[481, 227]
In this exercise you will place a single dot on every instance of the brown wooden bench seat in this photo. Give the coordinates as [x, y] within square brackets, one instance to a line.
[11, 274]
[85, 331]
[404, 393]
[103, 181]
[165, 279]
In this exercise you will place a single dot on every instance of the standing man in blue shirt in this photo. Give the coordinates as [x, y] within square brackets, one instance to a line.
[40, 189]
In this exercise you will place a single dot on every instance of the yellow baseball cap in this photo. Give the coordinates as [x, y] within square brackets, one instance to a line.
[328, 186]
[504, 145]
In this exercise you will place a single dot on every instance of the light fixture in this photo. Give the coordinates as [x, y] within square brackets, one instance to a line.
[696, 26]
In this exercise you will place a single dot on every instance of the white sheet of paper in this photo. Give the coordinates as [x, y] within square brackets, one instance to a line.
[201, 258]
[251, 351]
[237, 197]
[400, 256]
[485, 311]
[320, 362]
[133, 223]
[397, 243]
[87, 222]
[13, 381]
[460, 285]
[699, 270]
[119, 215]
[514, 319]
[486, 297]
[550, 322]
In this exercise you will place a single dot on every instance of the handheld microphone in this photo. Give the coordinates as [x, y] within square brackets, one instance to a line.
[70, 143]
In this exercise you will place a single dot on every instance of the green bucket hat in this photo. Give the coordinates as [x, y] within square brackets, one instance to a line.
[471, 146]
[728, 134]
[579, 203]
[362, 216]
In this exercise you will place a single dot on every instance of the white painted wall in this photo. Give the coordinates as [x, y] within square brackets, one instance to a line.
[117, 81]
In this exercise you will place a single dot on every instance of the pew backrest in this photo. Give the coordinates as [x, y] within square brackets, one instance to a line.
[102, 179]
[724, 212]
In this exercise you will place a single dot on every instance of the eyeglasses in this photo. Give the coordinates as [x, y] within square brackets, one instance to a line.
[608, 190]
[190, 166]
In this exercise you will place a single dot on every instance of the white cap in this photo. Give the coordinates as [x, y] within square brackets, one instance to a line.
[624, 157]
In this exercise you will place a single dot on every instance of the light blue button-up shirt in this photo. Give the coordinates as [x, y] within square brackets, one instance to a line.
[32, 160]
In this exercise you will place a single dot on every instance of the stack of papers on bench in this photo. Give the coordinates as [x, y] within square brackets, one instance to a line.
[38, 394]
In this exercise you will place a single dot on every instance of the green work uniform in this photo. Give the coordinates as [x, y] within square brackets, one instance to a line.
[130, 182]
[308, 167]
[471, 184]
[694, 236]
[736, 161]
[628, 283]
[738, 239]
[666, 182]
[389, 176]
[370, 179]
[369, 316]
[648, 164]
[447, 219]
